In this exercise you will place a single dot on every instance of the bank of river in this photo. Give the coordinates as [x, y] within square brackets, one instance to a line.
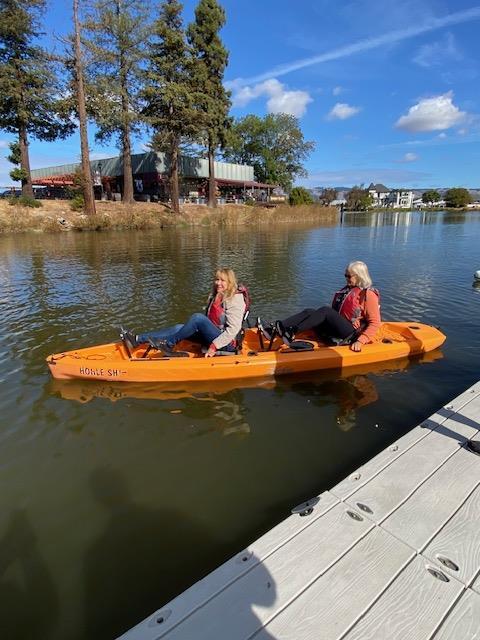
[116, 497]
[54, 216]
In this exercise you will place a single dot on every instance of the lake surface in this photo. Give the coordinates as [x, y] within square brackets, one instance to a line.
[117, 497]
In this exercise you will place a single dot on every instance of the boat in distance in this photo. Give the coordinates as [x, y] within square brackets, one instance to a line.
[117, 362]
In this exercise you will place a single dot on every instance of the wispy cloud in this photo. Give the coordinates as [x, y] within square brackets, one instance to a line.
[280, 99]
[437, 53]
[367, 44]
[348, 177]
[432, 114]
[342, 111]
[337, 91]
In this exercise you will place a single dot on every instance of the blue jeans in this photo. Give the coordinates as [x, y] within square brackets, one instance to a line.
[160, 334]
[198, 328]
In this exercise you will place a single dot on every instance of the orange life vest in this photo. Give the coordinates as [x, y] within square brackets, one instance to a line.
[350, 302]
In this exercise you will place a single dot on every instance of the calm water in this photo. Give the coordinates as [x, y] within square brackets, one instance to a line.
[116, 498]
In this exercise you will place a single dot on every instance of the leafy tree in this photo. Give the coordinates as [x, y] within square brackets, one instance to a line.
[458, 197]
[170, 97]
[358, 199]
[274, 145]
[29, 87]
[15, 158]
[300, 195]
[115, 35]
[327, 196]
[210, 60]
[431, 196]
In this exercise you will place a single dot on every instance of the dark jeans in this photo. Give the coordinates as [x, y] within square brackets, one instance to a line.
[325, 321]
[198, 328]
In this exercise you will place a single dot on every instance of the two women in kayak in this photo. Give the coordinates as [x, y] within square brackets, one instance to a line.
[353, 318]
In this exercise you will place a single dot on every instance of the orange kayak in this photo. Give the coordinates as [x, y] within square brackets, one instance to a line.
[114, 362]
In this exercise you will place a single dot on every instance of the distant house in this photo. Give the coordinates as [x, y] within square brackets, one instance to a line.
[395, 198]
[379, 193]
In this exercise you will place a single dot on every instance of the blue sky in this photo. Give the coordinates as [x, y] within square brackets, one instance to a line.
[387, 90]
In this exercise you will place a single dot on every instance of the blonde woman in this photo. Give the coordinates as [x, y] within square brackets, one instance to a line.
[215, 329]
[353, 318]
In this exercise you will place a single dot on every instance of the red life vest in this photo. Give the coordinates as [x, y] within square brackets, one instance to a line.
[220, 319]
[350, 302]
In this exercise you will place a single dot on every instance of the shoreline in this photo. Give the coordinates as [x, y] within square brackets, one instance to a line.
[55, 216]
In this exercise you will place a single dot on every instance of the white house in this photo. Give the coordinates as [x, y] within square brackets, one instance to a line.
[395, 198]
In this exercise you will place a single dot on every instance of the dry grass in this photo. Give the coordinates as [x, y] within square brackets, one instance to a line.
[56, 216]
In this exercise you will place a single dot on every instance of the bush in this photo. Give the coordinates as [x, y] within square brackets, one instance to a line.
[300, 195]
[25, 201]
[77, 203]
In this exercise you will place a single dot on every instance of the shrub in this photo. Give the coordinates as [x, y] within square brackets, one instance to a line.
[25, 201]
[300, 195]
[77, 203]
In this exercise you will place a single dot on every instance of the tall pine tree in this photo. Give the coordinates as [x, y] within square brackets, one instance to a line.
[87, 182]
[116, 33]
[169, 93]
[29, 88]
[211, 59]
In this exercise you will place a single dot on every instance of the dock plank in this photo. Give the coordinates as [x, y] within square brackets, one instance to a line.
[390, 488]
[463, 623]
[412, 607]
[268, 587]
[459, 540]
[458, 477]
[367, 570]
[219, 579]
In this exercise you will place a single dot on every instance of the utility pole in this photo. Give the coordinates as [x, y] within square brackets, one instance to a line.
[82, 116]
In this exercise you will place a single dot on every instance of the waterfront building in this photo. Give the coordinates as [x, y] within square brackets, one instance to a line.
[235, 182]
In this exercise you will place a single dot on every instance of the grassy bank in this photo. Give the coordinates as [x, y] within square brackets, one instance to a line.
[56, 216]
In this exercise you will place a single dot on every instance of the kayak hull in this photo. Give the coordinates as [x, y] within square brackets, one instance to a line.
[111, 362]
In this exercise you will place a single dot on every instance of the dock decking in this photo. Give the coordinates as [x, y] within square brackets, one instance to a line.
[391, 552]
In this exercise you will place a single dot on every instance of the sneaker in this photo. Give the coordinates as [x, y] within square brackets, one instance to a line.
[162, 345]
[129, 336]
[266, 331]
[286, 333]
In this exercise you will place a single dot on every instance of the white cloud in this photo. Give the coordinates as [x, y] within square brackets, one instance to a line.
[442, 135]
[280, 100]
[337, 91]
[4, 144]
[409, 157]
[386, 39]
[432, 114]
[435, 54]
[342, 111]
[462, 132]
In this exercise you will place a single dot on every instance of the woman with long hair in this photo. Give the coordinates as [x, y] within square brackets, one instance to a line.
[216, 329]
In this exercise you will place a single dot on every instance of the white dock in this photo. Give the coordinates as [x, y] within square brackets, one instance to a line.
[391, 552]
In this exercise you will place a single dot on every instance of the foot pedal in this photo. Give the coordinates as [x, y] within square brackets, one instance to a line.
[301, 345]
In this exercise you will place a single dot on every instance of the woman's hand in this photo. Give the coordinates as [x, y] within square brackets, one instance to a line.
[211, 351]
[356, 346]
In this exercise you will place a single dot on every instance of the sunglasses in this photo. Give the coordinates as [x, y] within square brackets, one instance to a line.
[348, 275]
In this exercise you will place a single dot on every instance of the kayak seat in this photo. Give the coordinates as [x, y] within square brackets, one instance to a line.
[301, 345]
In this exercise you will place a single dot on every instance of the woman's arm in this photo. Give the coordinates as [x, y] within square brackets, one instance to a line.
[372, 319]
[234, 312]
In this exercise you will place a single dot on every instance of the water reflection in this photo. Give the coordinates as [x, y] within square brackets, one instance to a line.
[28, 599]
[134, 584]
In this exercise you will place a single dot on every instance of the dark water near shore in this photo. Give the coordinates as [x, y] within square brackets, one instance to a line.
[116, 498]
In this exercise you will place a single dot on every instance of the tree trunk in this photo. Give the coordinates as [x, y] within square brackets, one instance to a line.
[174, 191]
[212, 187]
[127, 197]
[27, 189]
[82, 116]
